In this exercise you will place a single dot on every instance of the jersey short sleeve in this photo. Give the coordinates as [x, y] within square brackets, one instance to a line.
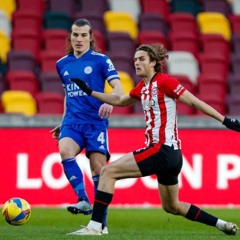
[172, 87]
[136, 92]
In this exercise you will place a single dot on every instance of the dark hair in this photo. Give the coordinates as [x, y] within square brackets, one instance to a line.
[82, 22]
[157, 52]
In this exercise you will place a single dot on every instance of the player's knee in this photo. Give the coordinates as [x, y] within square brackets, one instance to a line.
[106, 171]
[170, 208]
[65, 153]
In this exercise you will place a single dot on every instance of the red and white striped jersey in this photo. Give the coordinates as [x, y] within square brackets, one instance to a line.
[158, 99]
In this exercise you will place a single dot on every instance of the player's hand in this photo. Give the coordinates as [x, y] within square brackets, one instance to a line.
[82, 85]
[105, 110]
[55, 132]
[232, 123]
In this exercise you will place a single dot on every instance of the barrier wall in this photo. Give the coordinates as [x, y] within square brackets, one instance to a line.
[31, 168]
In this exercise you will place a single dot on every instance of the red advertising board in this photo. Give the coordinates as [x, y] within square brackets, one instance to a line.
[31, 168]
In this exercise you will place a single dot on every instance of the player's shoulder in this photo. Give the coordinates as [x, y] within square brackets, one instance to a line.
[63, 60]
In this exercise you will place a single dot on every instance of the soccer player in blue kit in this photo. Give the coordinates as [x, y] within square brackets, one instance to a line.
[85, 119]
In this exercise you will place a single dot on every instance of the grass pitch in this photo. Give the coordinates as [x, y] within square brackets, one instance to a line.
[123, 224]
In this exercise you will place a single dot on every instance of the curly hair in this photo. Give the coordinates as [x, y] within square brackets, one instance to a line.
[82, 22]
[157, 52]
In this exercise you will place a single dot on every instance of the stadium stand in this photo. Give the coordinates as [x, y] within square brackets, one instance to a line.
[207, 30]
[49, 103]
[5, 46]
[146, 37]
[50, 82]
[214, 22]
[120, 22]
[183, 63]
[18, 102]
[8, 7]
[189, 6]
[235, 6]
[133, 7]
[22, 80]
[156, 6]
[149, 21]
[21, 60]
[220, 6]
[27, 39]
[5, 24]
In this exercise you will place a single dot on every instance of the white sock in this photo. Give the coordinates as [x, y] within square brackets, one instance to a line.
[97, 226]
[220, 224]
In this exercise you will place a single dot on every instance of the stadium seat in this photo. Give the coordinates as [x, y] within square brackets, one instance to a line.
[120, 22]
[48, 60]
[27, 5]
[148, 37]
[156, 6]
[188, 6]
[183, 63]
[5, 46]
[217, 103]
[212, 84]
[214, 23]
[182, 108]
[51, 82]
[182, 23]
[8, 7]
[27, 39]
[121, 42]
[233, 83]
[18, 102]
[235, 23]
[59, 20]
[235, 63]
[90, 6]
[49, 103]
[215, 44]
[214, 65]
[96, 21]
[62, 6]
[23, 81]
[5, 24]
[185, 42]
[55, 39]
[235, 6]
[21, 60]
[133, 7]
[153, 22]
[126, 110]
[220, 6]
[126, 80]
[233, 105]
[28, 19]
[100, 40]
[122, 62]
[3, 86]
[236, 43]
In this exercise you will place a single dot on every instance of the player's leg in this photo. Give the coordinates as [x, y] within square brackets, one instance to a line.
[171, 204]
[97, 161]
[68, 149]
[124, 167]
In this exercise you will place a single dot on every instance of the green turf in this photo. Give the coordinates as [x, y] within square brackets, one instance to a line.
[124, 224]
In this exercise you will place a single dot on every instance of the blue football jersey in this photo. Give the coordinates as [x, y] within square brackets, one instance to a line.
[92, 67]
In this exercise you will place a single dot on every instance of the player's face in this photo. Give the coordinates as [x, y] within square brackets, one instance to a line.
[80, 39]
[144, 68]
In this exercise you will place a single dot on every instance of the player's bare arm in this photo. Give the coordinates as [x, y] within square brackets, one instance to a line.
[193, 101]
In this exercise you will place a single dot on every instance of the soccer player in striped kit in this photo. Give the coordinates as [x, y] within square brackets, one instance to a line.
[162, 154]
[85, 119]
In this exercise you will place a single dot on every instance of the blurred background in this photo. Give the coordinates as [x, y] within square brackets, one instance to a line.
[203, 42]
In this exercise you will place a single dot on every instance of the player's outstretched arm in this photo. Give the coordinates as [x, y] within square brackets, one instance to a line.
[193, 101]
[113, 99]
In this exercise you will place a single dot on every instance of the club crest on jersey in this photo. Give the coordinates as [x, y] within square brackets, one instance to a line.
[88, 70]
[154, 91]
